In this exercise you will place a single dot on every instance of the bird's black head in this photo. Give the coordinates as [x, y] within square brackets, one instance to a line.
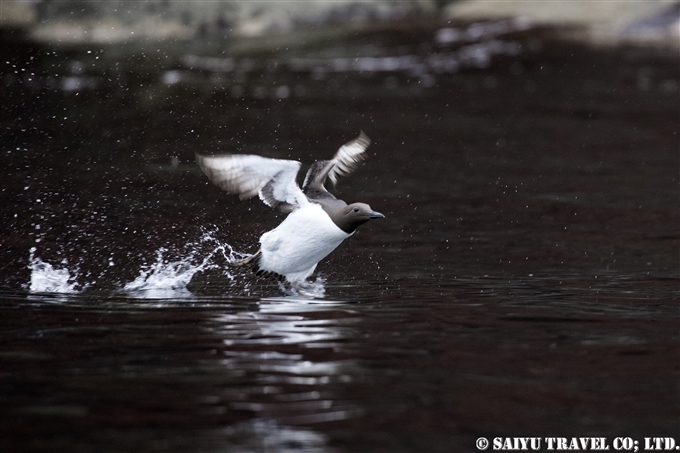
[355, 215]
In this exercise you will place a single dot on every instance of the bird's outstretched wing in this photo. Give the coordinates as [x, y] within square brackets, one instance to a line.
[248, 175]
[343, 163]
[348, 157]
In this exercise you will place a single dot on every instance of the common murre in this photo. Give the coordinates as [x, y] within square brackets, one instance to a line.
[318, 222]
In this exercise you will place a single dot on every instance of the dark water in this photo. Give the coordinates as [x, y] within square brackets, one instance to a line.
[524, 282]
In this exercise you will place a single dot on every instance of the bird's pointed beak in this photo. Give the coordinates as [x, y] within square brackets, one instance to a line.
[376, 215]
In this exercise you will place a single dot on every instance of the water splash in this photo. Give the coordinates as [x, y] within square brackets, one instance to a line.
[168, 279]
[45, 278]
[165, 278]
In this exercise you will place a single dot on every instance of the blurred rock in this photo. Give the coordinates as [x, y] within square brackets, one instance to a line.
[601, 22]
[598, 21]
[18, 13]
[119, 20]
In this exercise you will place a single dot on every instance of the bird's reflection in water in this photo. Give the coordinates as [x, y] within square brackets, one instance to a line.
[283, 370]
[270, 436]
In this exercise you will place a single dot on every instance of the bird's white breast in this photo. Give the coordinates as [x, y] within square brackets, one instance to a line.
[304, 238]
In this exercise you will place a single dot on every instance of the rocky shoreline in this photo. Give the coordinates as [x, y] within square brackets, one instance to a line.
[652, 23]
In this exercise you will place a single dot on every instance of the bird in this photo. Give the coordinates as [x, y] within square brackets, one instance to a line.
[317, 222]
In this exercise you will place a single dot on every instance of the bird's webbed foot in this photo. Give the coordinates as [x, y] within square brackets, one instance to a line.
[310, 290]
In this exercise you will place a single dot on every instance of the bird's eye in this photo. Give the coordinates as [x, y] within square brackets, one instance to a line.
[356, 209]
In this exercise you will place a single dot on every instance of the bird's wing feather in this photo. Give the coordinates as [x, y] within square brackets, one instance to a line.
[343, 163]
[248, 175]
[348, 157]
